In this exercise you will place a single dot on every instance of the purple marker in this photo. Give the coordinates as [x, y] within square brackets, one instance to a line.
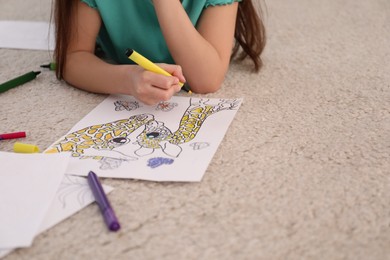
[104, 205]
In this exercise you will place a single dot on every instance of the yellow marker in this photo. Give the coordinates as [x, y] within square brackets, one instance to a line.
[25, 148]
[150, 66]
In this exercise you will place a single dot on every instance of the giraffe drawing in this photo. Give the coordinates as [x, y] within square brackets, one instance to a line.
[155, 135]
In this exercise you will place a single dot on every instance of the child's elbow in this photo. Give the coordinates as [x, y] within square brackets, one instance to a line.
[206, 86]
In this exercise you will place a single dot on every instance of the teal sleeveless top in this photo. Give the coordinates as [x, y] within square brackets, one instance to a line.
[133, 24]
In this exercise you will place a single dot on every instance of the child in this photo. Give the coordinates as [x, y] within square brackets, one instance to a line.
[198, 35]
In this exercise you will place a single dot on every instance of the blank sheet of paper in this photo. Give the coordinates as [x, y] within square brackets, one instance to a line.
[72, 195]
[28, 185]
[26, 35]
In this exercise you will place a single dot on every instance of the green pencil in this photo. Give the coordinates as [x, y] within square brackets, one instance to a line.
[18, 81]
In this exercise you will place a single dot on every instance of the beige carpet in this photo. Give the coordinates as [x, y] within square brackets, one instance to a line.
[302, 173]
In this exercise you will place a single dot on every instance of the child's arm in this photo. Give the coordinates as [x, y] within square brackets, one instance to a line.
[86, 71]
[203, 52]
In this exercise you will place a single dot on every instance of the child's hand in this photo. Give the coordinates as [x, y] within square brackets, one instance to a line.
[151, 88]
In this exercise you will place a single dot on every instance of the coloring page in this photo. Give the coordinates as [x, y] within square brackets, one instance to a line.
[174, 140]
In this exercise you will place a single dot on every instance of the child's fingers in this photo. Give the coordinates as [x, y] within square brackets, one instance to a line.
[174, 70]
[161, 81]
[155, 95]
[151, 88]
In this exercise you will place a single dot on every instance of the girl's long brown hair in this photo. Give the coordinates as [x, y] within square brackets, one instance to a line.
[249, 33]
[63, 11]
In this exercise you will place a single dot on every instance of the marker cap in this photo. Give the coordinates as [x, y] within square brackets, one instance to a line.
[25, 148]
[12, 135]
[111, 220]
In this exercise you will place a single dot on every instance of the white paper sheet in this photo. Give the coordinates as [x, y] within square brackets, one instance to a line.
[73, 195]
[26, 35]
[28, 184]
[172, 141]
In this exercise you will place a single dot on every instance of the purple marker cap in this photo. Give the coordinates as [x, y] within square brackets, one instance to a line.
[104, 205]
